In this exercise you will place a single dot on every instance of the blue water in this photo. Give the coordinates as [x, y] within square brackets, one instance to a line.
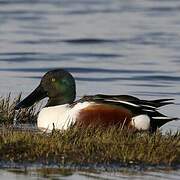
[110, 46]
[13, 174]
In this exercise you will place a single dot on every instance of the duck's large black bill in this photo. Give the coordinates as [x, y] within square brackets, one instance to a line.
[35, 96]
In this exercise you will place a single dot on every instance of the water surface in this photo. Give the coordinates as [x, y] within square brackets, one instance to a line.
[88, 173]
[112, 47]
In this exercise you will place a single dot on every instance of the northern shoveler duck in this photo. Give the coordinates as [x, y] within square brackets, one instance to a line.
[62, 111]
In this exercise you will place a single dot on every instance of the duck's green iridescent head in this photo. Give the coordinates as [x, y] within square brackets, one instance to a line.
[58, 85]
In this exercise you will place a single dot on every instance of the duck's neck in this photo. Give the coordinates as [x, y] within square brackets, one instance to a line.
[65, 99]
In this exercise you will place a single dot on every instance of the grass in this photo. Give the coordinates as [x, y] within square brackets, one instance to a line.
[76, 146]
[8, 113]
[82, 146]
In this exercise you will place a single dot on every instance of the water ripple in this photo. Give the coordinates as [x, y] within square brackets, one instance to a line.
[86, 70]
[91, 41]
[158, 78]
[24, 57]
[72, 41]
[164, 9]
[93, 11]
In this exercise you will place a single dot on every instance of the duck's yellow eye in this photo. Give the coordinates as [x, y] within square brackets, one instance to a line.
[53, 79]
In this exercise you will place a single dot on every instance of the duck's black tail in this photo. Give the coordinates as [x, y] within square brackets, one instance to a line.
[158, 119]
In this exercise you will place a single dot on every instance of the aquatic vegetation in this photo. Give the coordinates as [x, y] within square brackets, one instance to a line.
[83, 146]
[86, 146]
[8, 113]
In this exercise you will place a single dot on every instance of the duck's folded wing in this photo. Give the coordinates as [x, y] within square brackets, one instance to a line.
[129, 101]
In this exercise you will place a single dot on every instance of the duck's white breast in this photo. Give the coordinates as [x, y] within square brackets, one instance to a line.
[59, 117]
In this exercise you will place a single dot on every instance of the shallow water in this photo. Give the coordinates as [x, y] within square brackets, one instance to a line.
[91, 176]
[112, 47]
[52, 172]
